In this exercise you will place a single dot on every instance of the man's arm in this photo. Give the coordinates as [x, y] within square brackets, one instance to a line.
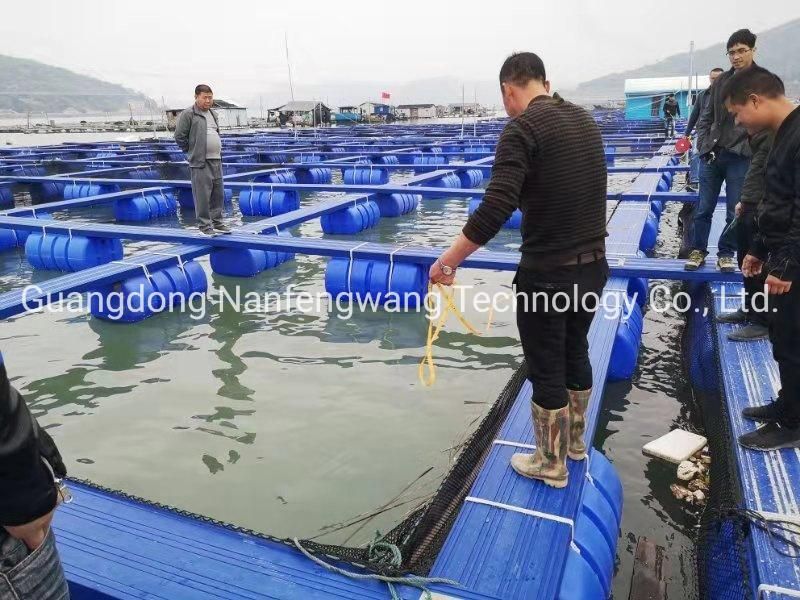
[512, 164]
[706, 118]
[27, 489]
[182, 128]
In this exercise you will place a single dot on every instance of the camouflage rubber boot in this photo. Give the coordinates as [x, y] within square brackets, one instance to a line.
[578, 403]
[549, 462]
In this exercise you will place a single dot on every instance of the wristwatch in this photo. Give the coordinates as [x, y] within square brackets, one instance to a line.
[445, 269]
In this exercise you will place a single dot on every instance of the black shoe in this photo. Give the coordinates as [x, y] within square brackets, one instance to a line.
[740, 316]
[771, 436]
[208, 231]
[222, 228]
[766, 413]
[749, 333]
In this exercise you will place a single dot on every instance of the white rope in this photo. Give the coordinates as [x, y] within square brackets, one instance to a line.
[530, 513]
[766, 588]
[391, 266]
[514, 444]
[134, 264]
[178, 257]
[350, 265]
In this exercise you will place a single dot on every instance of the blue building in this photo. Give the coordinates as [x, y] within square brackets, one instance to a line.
[644, 98]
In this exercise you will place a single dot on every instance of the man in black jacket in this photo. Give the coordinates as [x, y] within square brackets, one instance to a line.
[757, 98]
[29, 466]
[563, 253]
[725, 153]
[671, 110]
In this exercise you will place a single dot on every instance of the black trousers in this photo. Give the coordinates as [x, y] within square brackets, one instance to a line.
[745, 232]
[554, 311]
[784, 333]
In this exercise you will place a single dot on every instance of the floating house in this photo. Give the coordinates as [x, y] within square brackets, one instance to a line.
[305, 112]
[416, 111]
[644, 97]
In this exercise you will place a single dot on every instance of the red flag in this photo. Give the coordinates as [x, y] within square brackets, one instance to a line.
[385, 95]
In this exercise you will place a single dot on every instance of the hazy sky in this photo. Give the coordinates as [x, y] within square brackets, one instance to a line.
[164, 47]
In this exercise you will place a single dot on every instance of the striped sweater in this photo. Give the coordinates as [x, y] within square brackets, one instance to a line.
[549, 163]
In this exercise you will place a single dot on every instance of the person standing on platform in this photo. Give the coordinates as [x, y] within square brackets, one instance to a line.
[197, 134]
[563, 253]
[757, 99]
[671, 110]
[700, 102]
[725, 156]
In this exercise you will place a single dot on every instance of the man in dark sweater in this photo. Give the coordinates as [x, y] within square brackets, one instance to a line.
[757, 98]
[725, 154]
[29, 461]
[563, 253]
[671, 110]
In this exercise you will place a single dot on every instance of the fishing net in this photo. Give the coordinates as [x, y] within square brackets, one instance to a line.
[722, 541]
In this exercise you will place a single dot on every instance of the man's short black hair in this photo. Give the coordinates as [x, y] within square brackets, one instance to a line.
[202, 89]
[742, 36]
[521, 68]
[753, 80]
[717, 70]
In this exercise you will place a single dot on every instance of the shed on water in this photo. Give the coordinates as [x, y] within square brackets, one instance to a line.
[644, 97]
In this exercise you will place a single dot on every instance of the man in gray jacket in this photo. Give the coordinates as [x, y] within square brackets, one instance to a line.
[197, 134]
[725, 152]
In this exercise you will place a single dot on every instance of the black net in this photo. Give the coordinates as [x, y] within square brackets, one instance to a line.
[722, 542]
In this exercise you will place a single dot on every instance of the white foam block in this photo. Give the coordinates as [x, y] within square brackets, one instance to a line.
[676, 446]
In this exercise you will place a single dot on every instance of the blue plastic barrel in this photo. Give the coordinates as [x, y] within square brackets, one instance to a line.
[236, 262]
[470, 178]
[387, 159]
[151, 205]
[63, 253]
[595, 551]
[448, 182]
[607, 482]
[366, 176]
[428, 163]
[314, 175]
[9, 239]
[283, 176]
[6, 196]
[579, 581]
[352, 219]
[139, 297]
[513, 222]
[639, 289]
[395, 205]
[649, 233]
[73, 191]
[611, 153]
[371, 281]
[408, 158]
[267, 202]
[625, 352]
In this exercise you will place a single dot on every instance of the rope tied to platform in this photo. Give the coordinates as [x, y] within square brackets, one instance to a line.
[379, 551]
[427, 362]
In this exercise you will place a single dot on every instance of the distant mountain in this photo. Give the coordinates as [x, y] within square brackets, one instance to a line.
[28, 85]
[777, 50]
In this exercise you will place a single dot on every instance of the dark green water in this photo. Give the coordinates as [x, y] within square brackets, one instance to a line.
[292, 423]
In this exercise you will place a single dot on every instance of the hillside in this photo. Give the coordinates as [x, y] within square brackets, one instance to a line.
[777, 49]
[27, 85]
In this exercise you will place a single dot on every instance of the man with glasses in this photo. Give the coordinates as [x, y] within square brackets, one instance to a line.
[725, 153]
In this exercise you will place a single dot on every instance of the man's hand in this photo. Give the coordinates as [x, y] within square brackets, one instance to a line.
[777, 286]
[437, 276]
[739, 208]
[751, 266]
[32, 534]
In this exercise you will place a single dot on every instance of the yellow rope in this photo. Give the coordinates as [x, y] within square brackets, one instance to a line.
[427, 363]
